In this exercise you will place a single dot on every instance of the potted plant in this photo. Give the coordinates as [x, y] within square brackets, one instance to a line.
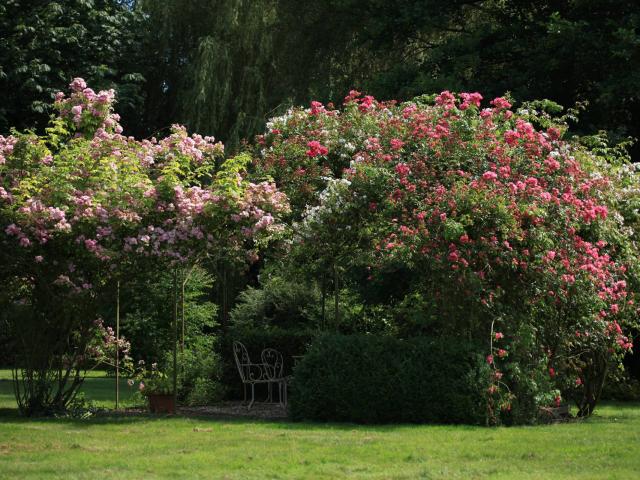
[156, 386]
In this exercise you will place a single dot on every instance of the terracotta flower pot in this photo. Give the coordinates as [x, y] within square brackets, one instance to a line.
[161, 403]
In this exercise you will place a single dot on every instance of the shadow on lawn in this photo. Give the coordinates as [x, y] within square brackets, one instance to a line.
[203, 422]
[199, 423]
[609, 412]
[113, 418]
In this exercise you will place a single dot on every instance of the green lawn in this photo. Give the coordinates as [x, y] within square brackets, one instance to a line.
[98, 388]
[605, 446]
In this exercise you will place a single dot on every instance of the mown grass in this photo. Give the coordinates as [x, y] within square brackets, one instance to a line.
[605, 446]
[96, 387]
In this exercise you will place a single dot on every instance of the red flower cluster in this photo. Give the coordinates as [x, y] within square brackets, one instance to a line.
[316, 149]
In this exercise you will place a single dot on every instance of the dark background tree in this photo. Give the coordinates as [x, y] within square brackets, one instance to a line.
[224, 66]
[209, 65]
[44, 44]
[567, 51]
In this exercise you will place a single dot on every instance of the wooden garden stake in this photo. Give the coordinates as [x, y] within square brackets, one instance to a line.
[117, 344]
[175, 336]
[336, 296]
[184, 281]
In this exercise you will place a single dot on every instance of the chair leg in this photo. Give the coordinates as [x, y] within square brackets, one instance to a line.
[244, 388]
[253, 395]
[283, 393]
[286, 395]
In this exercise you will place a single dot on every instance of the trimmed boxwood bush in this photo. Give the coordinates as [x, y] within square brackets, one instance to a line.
[373, 379]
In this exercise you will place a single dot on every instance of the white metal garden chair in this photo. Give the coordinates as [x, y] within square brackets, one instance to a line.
[253, 373]
[274, 365]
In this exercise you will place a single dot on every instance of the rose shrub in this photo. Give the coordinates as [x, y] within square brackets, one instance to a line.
[506, 232]
[84, 205]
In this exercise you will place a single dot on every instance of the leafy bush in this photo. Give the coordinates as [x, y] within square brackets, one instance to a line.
[284, 300]
[278, 302]
[373, 379]
[199, 373]
[147, 313]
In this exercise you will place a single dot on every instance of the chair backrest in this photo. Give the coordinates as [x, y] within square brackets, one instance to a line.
[273, 362]
[242, 359]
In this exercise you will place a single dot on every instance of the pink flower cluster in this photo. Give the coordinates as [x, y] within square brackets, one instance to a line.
[87, 109]
[6, 148]
[107, 198]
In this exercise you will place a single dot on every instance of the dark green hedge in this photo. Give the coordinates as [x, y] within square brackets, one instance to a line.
[289, 343]
[373, 379]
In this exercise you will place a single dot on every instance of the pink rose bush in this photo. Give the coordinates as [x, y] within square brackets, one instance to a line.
[505, 231]
[84, 204]
[113, 198]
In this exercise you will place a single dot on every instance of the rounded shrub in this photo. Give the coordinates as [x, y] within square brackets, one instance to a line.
[375, 379]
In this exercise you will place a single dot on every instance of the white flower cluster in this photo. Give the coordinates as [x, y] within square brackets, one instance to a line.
[333, 200]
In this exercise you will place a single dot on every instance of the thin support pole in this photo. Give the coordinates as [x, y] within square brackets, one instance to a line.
[324, 301]
[184, 281]
[224, 297]
[185, 278]
[175, 337]
[336, 296]
[117, 344]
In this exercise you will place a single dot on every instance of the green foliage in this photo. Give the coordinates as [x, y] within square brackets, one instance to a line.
[81, 408]
[374, 379]
[277, 303]
[622, 387]
[147, 312]
[199, 372]
[197, 76]
[44, 44]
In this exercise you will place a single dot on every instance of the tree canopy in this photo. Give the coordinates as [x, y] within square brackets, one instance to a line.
[223, 66]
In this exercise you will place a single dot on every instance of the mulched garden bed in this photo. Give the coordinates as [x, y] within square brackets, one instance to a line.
[261, 411]
[266, 411]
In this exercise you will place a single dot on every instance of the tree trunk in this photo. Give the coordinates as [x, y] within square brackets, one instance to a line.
[594, 382]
